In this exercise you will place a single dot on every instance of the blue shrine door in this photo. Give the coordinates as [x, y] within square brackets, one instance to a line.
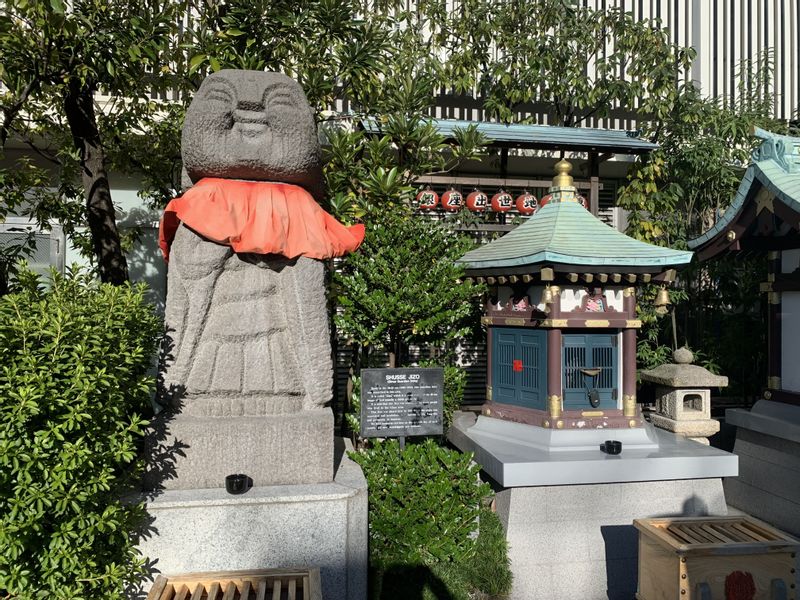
[519, 367]
[582, 354]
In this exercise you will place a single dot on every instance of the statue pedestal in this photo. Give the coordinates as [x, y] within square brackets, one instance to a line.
[519, 455]
[282, 526]
[578, 541]
[196, 451]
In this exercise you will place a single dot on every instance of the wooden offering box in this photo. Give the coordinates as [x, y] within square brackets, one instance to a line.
[715, 558]
[265, 584]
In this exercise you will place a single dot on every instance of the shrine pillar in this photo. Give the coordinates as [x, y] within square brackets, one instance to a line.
[555, 392]
[774, 326]
[629, 355]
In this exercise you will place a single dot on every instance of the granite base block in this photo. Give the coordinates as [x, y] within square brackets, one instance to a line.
[690, 428]
[768, 446]
[312, 525]
[578, 541]
[286, 449]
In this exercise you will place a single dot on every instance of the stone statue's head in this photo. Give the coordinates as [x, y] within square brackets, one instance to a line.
[252, 125]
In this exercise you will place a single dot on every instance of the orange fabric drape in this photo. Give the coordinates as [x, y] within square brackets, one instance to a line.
[260, 217]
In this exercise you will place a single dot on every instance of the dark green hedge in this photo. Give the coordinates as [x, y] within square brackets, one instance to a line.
[73, 387]
[426, 504]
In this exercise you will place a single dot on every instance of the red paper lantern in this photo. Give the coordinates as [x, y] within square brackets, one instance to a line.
[526, 203]
[477, 201]
[502, 201]
[583, 202]
[452, 200]
[427, 199]
[545, 200]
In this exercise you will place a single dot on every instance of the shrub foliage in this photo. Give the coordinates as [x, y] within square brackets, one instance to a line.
[73, 386]
[424, 503]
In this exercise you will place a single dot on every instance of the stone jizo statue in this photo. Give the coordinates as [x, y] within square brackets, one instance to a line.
[246, 316]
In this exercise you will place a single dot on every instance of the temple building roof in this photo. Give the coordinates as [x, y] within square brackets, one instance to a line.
[543, 137]
[564, 235]
[765, 213]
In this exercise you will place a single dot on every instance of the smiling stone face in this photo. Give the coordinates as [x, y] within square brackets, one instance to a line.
[252, 125]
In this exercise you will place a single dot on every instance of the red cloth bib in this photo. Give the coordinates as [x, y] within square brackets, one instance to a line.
[260, 217]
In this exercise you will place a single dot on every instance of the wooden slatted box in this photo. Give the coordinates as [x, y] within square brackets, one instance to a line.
[693, 557]
[265, 584]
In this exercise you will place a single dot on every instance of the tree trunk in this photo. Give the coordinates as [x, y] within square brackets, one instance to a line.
[393, 351]
[79, 110]
[3, 278]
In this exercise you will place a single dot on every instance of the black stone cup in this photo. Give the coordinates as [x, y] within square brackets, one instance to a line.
[612, 447]
[237, 484]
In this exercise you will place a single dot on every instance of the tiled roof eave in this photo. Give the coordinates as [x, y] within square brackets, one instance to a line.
[540, 136]
[756, 175]
[732, 211]
[566, 234]
[676, 258]
[777, 190]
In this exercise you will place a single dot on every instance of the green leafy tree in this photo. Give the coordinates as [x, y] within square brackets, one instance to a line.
[367, 176]
[73, 389]
[401, 287]
[573, 61]
[676, 193]
[55, 60]
[331, 48]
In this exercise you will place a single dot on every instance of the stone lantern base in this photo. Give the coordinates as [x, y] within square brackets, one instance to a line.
[698, 430]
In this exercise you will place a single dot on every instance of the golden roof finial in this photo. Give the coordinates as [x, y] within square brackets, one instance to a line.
[562, 179]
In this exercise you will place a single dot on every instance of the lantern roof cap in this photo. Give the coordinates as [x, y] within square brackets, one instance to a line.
[683, 376]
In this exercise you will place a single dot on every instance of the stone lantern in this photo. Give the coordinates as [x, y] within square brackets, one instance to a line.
[683, 397]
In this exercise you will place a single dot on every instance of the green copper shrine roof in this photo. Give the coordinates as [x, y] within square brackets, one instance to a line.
[776, 167]
[565, 233]
[517, 135]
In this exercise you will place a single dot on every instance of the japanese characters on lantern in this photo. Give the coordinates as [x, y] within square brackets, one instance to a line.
[477, 201]
[427, 199]
[527, 203]
[452, 200]
[502, 201]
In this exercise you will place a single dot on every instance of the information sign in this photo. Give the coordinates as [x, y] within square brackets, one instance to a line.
[401, 402]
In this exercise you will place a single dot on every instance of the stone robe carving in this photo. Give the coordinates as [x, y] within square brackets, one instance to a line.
[248, 333]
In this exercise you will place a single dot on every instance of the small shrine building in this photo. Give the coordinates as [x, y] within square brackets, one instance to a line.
[561, 436]
[561, 315]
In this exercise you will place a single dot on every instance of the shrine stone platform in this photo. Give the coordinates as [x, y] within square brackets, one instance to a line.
[519, 455]
[568, 508]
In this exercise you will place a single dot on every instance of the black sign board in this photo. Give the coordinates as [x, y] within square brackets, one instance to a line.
[401, 402]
